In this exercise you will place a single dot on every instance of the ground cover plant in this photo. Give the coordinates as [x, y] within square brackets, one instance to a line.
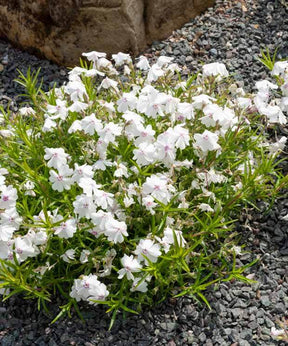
[123, 186]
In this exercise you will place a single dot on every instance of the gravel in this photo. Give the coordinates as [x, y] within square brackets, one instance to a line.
[241, 314]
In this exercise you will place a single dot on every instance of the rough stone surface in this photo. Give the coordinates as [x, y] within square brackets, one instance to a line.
[62, 30]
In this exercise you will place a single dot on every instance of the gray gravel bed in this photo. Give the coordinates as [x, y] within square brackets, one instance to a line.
[242, 314]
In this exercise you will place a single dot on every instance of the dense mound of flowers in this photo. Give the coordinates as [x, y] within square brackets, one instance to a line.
[123, 185]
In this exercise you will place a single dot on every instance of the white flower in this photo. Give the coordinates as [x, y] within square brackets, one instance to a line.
[143, 63]
[157, 186]
[56, 157]
[49, 125]
[205, 207]
[94, 56]
[84, 256]
[108, 83]
[6, 232]
[121, 58]
[126, 102]
[66, 229]
[8, 197]
[130, 265]
[90, 124]
[169, 234]
[59, 111]
[154, 73]
[215, 69]
[149, 204]
[88, 287]
[84, 171]
[121, 171]
[84, 206]
[139, 285]
[115, 230]
[62, 179]
[265, 86]
[145, 154]
[164, 60]
[68, 256]
[149, 249]
[11, 217]
[279, 68]
[24, 248]
[206, 141]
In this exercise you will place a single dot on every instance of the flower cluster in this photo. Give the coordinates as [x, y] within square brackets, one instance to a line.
[123, 185]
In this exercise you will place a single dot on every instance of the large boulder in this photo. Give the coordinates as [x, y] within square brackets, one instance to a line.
[62, 29]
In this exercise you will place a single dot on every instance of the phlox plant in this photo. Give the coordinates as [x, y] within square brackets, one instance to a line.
[122, 187]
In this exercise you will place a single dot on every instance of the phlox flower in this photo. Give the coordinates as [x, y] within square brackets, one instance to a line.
[76, 126]
[83, 171]
[126, 102]
[169, 234]
[144, 134]
[264, 86]
[78, 106]
[37, 237]
[49, 125]
[128, 201]
[215, 69]
[152, 104]
[121, 171]
[56, 157]
[5, 251]
[154, 73]
[89, 186]
[279, 68]
[206, 141]
[149, 204]
[201, 101]
[244, 102]
[6, 232]
[108, 83]
[115, 230]
[61, 180]
[8, 197]
[68, 255]
[165, 149]
[109, 132]
[66, 229]
[104, 199]
[139, 286]
[130, 265]
[185, 111]
[24, 248]
[84, 206]
[84, 256]
[90, 124]
[164, 60]
[102, 165]
[277, 146]
[100, 219]
[94, 56]
[143, 63]
[144, 154]
[157, 187]
[59, 111]
[181, 136]
[11, 217]
[148, 248]
[76, 89]
[121, 58]
[205, 207]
